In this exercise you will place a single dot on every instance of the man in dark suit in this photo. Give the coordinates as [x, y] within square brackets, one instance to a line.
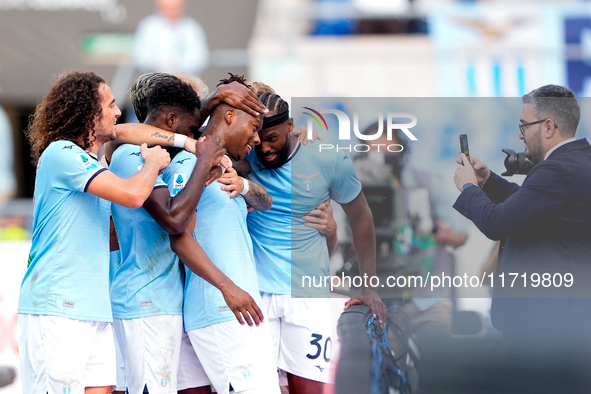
[544, 225]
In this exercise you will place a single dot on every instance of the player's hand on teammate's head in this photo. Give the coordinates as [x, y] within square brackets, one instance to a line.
[155, 154]
[321, 218]
[239, 96]
[243, 305]
[210, 150]
[302, 133]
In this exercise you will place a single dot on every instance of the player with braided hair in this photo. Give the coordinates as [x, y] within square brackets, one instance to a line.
[234, 357]
[289, 243]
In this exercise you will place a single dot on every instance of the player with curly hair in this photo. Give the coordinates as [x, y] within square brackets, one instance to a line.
[65, 335]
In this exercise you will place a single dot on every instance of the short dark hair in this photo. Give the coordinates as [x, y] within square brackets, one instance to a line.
[557, 103]
[68, 111]
[140, 90]
[172, 93]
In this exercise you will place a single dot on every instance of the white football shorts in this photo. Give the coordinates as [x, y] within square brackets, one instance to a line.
[63, 356]
[301, 331]
[151, 348]
[237, 356]
[191, 373]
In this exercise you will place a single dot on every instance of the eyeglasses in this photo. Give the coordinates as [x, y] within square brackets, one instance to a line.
[521, 126]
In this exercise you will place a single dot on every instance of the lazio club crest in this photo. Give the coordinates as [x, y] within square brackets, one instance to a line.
[307, 181]
[246, 370]
[66, 386]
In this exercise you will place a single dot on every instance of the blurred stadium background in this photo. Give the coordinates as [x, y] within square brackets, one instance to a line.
[302, 48]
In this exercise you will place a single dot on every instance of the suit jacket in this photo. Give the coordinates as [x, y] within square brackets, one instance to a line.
[545, 228]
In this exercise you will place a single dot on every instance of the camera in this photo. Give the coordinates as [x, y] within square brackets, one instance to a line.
[516, 163]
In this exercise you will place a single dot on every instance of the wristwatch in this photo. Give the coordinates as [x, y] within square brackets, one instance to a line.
[467, 185]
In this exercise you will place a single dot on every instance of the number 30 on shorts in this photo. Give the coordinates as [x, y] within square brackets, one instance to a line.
[317, 342]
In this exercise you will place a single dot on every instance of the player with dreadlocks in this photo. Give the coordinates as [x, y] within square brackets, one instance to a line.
[234, 356]
[147, 289]
[300, 178]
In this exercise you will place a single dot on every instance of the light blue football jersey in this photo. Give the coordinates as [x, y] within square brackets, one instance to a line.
[148, 281]
[222, 232]
[285, 250]
[115, 262]
[68, 268]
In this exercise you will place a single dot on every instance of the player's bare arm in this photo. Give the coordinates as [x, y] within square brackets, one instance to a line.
[174, 213]
[364, 240]
[256, 196]
[133, 191]
[140, 133]
[194, 257]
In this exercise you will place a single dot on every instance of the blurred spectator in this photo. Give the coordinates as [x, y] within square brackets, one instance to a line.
[169, 41]
[7, 177]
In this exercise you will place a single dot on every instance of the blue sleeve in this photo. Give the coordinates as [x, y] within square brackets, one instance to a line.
[127, 161]
[542, 193]
[71, 168]
[344, 185]
[499, 189]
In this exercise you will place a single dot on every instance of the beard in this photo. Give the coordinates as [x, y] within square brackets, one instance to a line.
[102, 138]
[533, 149]
[282, 155]
[102, 135]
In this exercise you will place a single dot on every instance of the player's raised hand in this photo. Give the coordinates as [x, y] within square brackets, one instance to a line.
[302, 133]
[210, 150]
[239, 96]
[243, 305]
[156, 155]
